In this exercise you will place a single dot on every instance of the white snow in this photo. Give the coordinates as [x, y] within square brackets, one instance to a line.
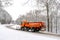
[15, 26]
[10, 34]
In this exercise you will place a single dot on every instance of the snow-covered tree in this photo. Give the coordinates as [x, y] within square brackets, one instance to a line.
[4, 15]
[5, 3]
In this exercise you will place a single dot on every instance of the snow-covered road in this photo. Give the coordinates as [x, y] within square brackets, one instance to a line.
[9, 34]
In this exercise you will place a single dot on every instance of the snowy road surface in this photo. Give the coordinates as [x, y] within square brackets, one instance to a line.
[9, 34]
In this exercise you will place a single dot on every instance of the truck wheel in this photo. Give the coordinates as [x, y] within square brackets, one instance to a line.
[36, 30]
[32, 29]
[27, 29]
[22, 28]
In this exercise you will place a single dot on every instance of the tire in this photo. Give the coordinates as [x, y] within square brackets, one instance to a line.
[27, 29]
[36, 30]
[22, 28]
[32, 29]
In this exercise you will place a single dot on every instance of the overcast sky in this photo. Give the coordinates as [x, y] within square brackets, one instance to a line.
[18, 8]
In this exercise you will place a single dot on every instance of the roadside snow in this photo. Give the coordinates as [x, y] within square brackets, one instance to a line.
[16, 26]
[9, 34]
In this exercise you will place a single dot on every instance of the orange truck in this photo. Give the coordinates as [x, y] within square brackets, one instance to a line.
[33, 26]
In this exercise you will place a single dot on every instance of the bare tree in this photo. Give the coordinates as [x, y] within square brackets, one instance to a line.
[32, 16]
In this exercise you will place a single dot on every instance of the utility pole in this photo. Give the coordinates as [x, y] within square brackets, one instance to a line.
[56, 23]
[47, 15]
[51, 22]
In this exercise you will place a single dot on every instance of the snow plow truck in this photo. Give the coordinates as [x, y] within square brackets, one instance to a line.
[33, 26]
